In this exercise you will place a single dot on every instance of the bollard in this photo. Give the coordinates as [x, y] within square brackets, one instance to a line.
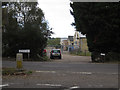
[19, 60]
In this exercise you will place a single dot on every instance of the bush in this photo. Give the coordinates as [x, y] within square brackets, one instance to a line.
[110, 56]
[42, 58]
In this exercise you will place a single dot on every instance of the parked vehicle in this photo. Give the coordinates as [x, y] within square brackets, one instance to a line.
[44, 52]
[55, 53]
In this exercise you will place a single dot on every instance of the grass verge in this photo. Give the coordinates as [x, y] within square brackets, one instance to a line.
[13, 71]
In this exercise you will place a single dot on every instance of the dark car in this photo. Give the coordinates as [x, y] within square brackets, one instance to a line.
[55, 53]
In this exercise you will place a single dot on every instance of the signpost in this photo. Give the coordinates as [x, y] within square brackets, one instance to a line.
[103, 56]
[25, 51]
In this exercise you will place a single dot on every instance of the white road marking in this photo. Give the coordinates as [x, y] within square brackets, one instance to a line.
[4, 85]
[74, 87]
[47, 71]
[95, 85]
[16, 83]
[114, 73]
[53, 85]
[85, 73]
[106, 73]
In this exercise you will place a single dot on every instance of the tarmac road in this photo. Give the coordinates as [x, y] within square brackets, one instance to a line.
[69, 72]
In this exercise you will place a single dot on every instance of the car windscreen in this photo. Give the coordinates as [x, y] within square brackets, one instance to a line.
[56, 51]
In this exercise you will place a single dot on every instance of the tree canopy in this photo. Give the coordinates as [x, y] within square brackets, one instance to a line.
[99, 21]
[24, 27]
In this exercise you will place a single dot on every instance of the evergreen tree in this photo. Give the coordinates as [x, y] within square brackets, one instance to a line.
[100, 23]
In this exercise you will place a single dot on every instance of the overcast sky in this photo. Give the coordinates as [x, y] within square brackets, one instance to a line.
[57, 13]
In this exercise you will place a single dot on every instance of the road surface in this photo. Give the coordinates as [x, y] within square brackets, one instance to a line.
[68, 72]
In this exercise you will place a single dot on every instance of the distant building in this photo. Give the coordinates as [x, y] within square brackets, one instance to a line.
[62, 41]
[78, 41]
[70, 40]
[65, 45]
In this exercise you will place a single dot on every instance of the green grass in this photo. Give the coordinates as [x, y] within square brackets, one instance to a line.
[8, 71]
[29, 72]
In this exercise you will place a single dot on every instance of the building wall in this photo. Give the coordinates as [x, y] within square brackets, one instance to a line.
[76, 40]
[65, 43]
[83, 44]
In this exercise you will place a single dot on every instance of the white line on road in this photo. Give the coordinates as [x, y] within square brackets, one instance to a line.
[113, 73]
[74, 87]
[106, 73]
[95, 85]
[47, 71]
[85, 73]
[4, 85]
[53, 85]
[16, 83]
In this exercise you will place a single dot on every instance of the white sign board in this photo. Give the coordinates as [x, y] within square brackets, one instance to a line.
[24, 51]
[102, 54]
